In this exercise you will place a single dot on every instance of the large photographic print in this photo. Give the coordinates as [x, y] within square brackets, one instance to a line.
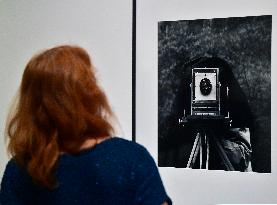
[214, 94]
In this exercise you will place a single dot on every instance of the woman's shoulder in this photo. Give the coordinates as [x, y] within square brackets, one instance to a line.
[114, 148]
[12, 167]
[15, 176]
[130, 151]
[124, 145]
[14, 170]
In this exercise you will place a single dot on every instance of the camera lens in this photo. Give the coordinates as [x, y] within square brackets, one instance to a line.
[205, 86]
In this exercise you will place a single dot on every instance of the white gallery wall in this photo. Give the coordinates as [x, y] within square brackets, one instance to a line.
[187, 186]
[104, 28]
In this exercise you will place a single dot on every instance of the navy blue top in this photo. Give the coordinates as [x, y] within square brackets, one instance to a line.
[116, 171]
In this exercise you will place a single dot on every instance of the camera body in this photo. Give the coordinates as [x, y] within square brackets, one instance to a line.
[205, 92]
[208, 104]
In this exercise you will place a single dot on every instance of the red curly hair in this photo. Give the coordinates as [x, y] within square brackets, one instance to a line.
[60, 106]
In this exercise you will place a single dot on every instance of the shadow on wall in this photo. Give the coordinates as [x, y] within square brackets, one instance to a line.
[245, 43]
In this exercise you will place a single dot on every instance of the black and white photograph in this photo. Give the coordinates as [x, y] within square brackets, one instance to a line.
[214, 94]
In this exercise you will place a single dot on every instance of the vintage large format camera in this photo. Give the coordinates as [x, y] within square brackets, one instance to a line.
[208, 97]
[205, 92]
[206, 115]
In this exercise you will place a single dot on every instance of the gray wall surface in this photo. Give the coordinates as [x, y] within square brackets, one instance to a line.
[103, 28]
[187, 186]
